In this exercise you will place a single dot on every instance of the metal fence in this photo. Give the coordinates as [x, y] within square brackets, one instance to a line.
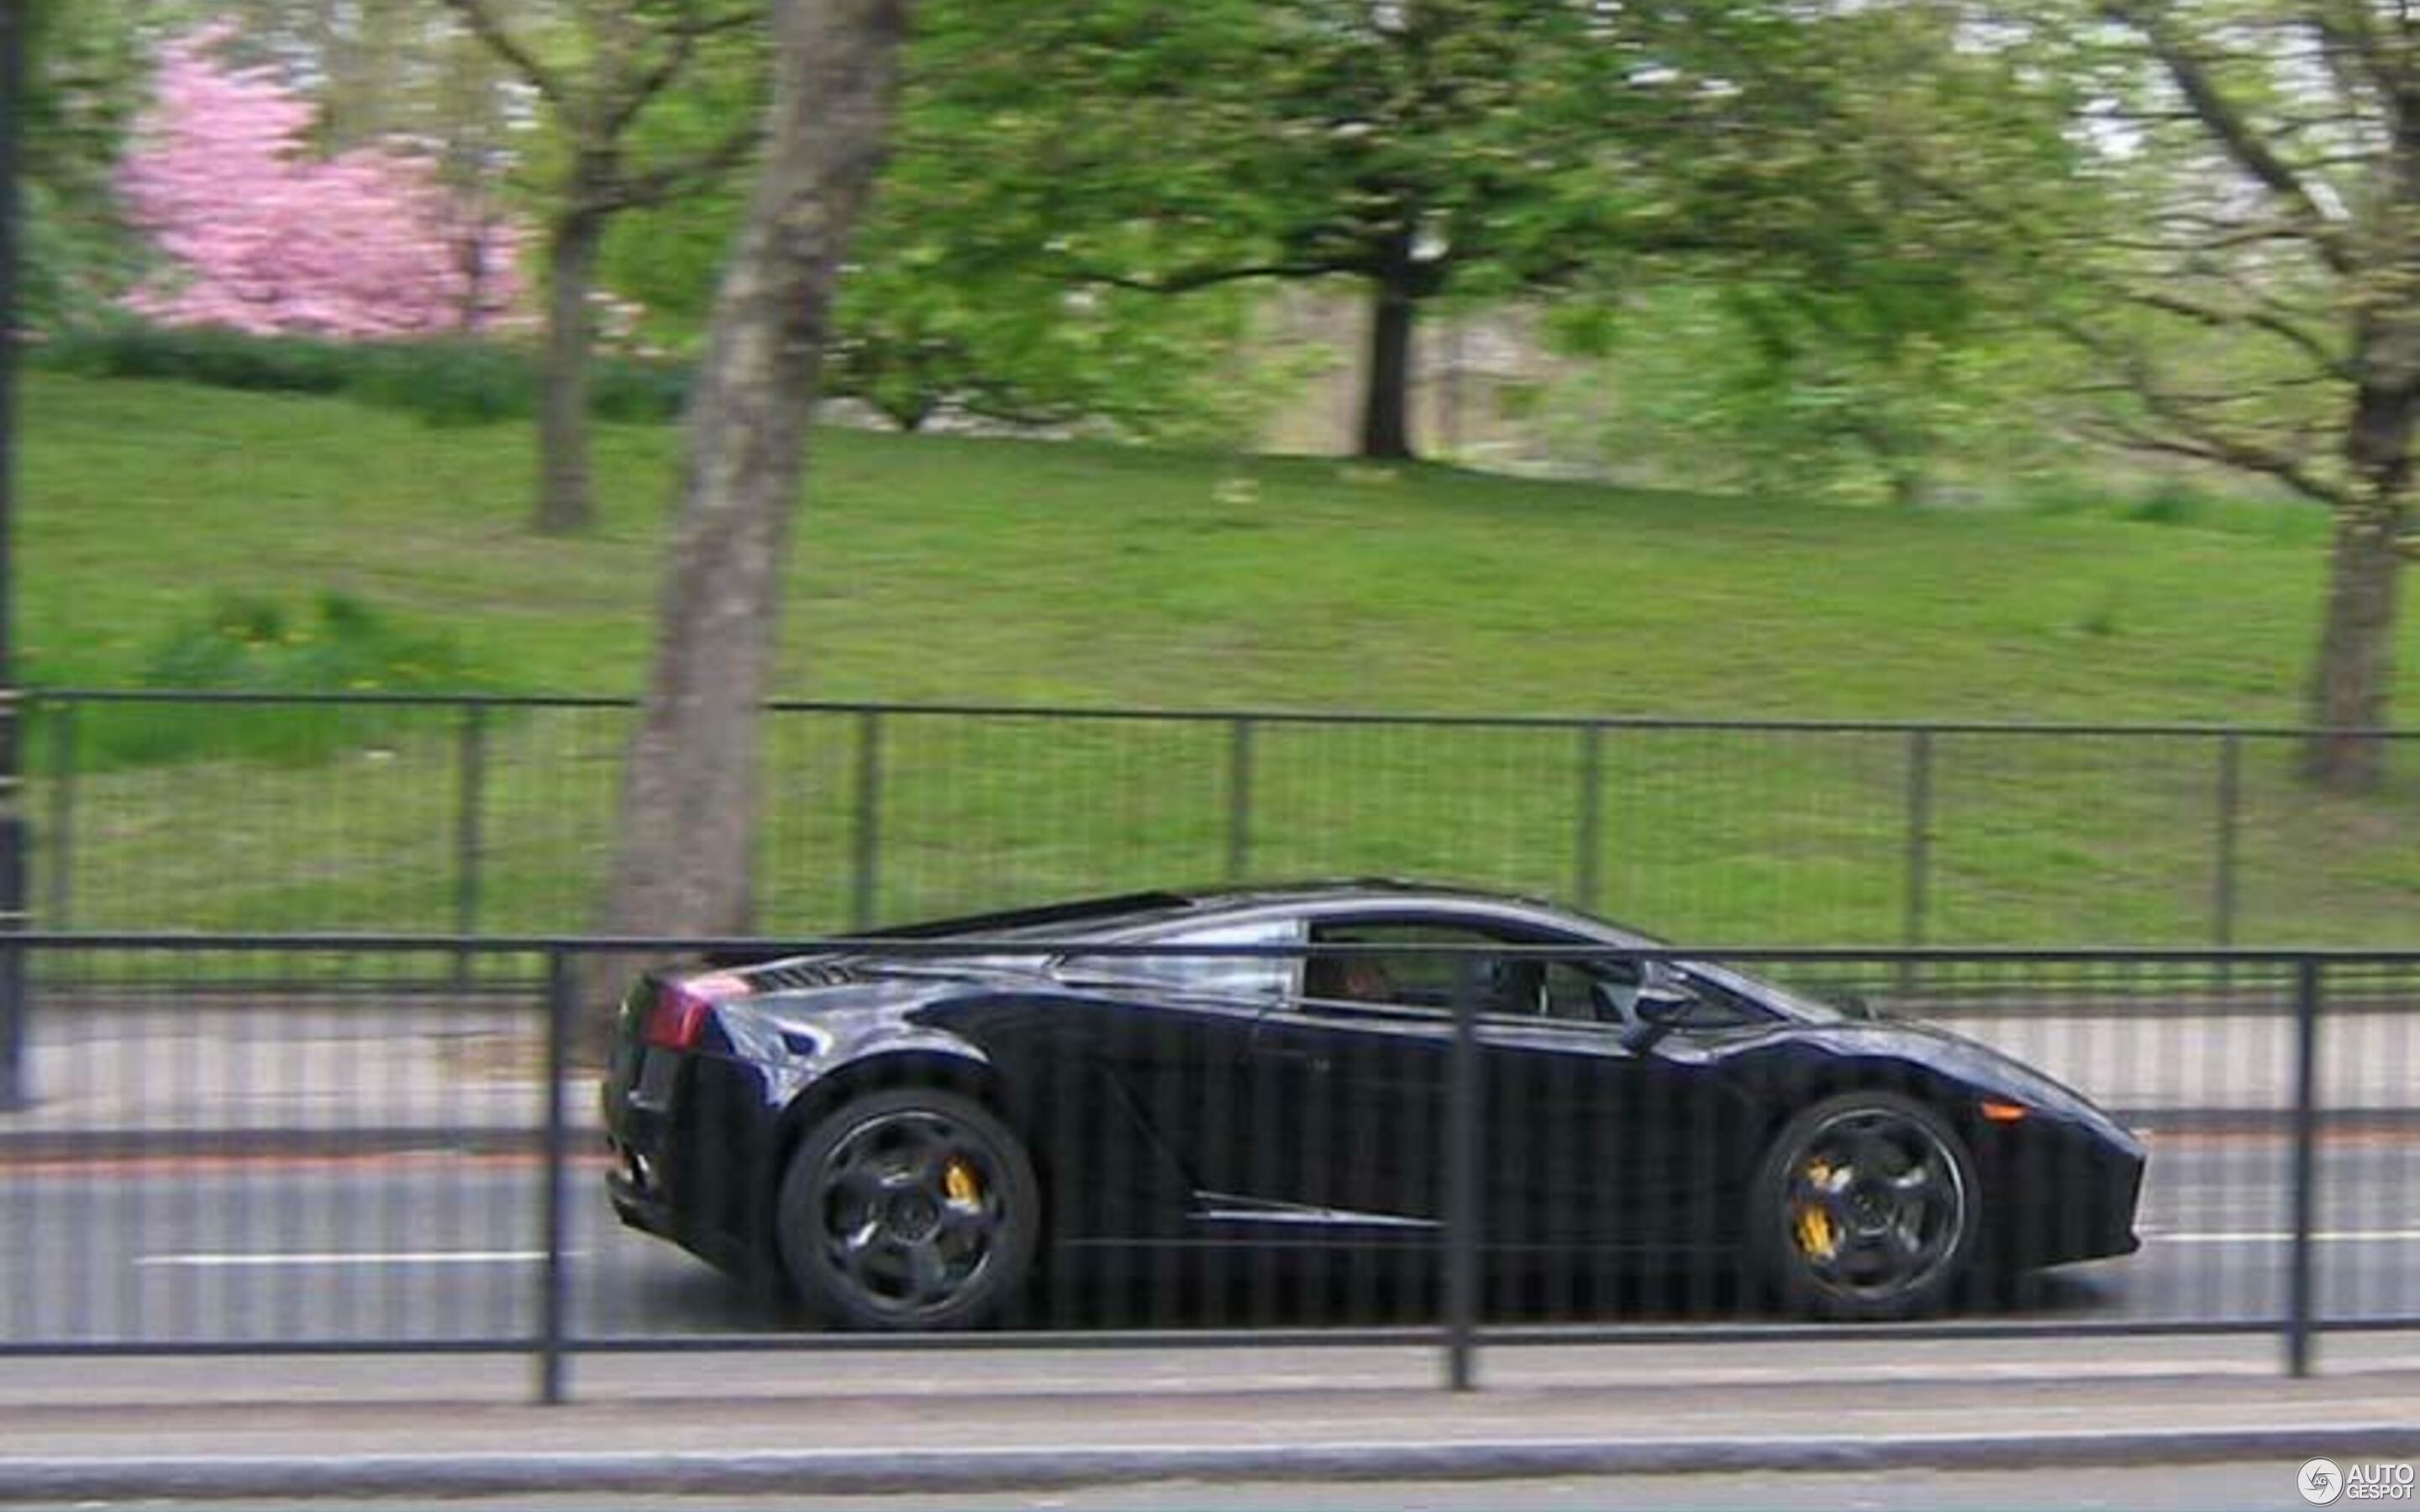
[494, 816]
[290, 1144]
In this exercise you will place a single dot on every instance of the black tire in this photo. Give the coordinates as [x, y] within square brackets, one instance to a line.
[911, 1208]
[1893, 1241]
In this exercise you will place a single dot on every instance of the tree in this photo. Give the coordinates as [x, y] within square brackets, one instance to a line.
[598, 69]
[388, 73]
[259, 233]
[2266, 298]
[689, 793]
[936, 318]
[85, 84]
[1413, 147]
[1473, 150]
[1883, 173]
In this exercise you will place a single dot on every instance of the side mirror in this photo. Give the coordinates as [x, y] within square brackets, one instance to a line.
[1658, 1010]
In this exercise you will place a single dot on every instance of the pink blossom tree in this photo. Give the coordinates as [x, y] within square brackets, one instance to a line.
[259, 233]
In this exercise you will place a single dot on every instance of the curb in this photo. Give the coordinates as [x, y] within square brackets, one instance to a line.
[102, 1145]
[863, 1471]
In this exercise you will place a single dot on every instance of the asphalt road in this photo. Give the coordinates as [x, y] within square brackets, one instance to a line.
[436, 1247]
[2147, 1488]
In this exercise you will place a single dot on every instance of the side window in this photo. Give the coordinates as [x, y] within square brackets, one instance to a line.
[1719, 1005]
[1407, 965]
[1268, 976]
[1590, 992]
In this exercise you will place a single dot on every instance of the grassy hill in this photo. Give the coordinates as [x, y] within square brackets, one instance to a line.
[932, 569]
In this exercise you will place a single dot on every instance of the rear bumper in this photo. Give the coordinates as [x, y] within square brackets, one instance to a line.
[686, 1137]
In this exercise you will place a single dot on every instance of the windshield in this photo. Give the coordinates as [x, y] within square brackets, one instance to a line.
[1796, 1005]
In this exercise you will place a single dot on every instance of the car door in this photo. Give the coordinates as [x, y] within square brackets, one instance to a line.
[1363, 1055]
[1585, 1143]
[1593, 1144]
[1170, 1037]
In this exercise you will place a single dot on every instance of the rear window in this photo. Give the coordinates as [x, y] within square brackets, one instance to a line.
[1269, 977]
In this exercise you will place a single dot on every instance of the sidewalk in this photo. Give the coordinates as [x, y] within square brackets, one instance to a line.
[967, 1420]
[164, 1074]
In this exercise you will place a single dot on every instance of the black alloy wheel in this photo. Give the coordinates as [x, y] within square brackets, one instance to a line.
[914, 1208]
[1866, 1208]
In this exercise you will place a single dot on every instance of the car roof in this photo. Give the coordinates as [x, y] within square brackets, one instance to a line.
[1124, 914]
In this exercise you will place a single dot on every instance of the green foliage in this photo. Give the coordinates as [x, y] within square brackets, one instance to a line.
[1737, 388]
[2168, 502]
[945, 312]
[258, 646]
[450, 382]
[251, 645]
[85, 81]
[1877, 332]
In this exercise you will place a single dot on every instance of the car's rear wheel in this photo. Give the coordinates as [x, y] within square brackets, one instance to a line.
[910, 1209]
[1864, 1207]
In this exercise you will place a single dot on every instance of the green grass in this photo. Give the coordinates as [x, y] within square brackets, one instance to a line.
[934, 569]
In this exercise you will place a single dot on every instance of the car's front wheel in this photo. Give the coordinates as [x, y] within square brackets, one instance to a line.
[910, 1209]
[1864, 1207]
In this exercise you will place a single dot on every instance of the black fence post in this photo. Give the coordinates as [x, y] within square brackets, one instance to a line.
[15, 1007]
[561, 997]
[2300, 1324]
[1239, 796]
[1589, 842]
[1461, 1156]
[865, 830]
[2231, 793]
[470, 808]
[58, 846]
[1914, 927]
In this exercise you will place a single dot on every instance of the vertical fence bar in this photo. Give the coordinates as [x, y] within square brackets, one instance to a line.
[470, 808]
[1588, 840]
[14, 1008]
[561, 996]
[1913, 926]
[1461, 1157]
[865, 829]
[58, 846]
[1239, 796]
[2299, 1324]
[2231, 793]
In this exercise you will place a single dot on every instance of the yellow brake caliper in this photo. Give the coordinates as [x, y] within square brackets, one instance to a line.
[959, 1185]
[1818, 1238]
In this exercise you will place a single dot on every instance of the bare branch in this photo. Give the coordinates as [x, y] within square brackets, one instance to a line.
[670, 181]
[2211, 317]
[483, 21]
[1207, 277]
[2233, 131]
[2224, 451]
[2185, 430]
[684, 35]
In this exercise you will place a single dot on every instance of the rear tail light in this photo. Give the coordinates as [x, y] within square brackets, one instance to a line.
[678, 1019]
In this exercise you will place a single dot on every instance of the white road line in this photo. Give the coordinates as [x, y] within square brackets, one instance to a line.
[263, 1258]
[2285, 1236]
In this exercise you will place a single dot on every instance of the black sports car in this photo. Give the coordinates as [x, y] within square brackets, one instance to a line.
[905, 1141]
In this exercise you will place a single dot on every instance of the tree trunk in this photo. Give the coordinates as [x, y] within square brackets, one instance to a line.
[2355, 671]
[689, 809]
[565, 503]
[1386, 408]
